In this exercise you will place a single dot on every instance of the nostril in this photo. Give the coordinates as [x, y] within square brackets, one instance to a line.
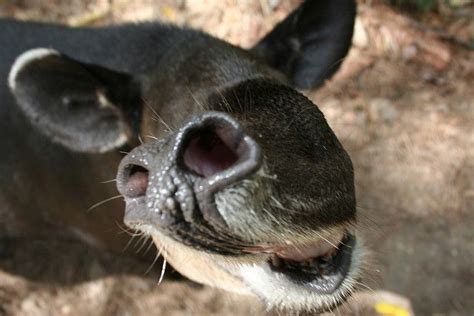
[208, 151]
[135, 181]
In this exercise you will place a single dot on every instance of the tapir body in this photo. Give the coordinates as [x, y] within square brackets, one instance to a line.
[237, 170]
[45, 187]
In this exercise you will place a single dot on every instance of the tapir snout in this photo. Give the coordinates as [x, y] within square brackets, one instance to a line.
[173, 175]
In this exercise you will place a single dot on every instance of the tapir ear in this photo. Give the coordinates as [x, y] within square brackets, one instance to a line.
[310, 44]
[84, 107]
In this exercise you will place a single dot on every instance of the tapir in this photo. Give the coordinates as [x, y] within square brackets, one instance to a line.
[234, 173]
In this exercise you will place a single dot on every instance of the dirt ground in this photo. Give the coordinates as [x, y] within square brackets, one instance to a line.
[402, 105]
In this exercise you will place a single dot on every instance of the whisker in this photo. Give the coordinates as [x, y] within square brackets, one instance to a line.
[279, 205]
[135, 245]
[103, 202]
[271, 216]
[145, 240]
[139, 234]
[129, 243]
[195, 99]
[296, 117]
[140, 139]
[339, 61]
[154, 261]
[368, 218]
[224, 100]
[150, 244]
[326, 240]
[125, 229]
[365, 286]
[124, 152]
[152, 137]
[159, 117]
[163, 268]
[108, 181]
[236, 97]
[268, 176]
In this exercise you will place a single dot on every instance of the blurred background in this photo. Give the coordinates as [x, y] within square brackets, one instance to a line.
[402, 105]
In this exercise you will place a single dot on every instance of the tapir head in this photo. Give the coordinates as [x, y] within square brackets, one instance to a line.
[242, 184]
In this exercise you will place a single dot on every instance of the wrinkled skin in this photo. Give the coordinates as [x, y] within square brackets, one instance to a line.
[240, 182]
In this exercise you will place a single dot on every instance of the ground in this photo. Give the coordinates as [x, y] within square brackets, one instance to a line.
[403, 106]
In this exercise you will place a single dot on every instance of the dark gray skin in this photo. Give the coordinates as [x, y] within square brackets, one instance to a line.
[240, 182]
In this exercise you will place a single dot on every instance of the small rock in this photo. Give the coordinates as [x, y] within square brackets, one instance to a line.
[383, 109]
[273, 4]
[360, 38]
[433, 78]
[409, 52]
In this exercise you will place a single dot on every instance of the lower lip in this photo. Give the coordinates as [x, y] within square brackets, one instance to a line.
[324, 283]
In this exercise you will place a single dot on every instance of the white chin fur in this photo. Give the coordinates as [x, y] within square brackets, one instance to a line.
[254, 276]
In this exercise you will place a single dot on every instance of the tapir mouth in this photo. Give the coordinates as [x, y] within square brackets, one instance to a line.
[320, 266]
